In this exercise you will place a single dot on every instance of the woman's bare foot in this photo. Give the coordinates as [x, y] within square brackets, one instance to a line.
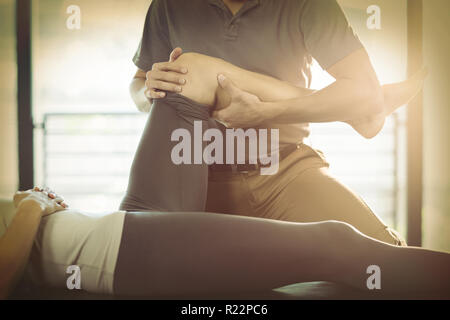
[401, 93]
[395, 96]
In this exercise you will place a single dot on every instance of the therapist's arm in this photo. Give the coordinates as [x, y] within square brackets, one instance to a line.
[356, 93]
[16, 243]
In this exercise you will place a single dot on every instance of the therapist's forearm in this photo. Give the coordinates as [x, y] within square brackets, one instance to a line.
[362, 117]
[292, 104]
[137, 90]
[343, 100]
[15, 246]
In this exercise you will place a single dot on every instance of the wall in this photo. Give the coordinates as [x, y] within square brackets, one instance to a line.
[8, 106]
[436, 208]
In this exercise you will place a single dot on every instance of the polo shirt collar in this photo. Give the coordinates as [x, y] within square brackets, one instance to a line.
[220, 2]
[249, 4]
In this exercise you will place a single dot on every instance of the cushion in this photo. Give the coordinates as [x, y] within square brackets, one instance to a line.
[7, 212]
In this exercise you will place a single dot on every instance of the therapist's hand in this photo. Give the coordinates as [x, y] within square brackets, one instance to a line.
[165, 76]
[242, 109]
[46, 200]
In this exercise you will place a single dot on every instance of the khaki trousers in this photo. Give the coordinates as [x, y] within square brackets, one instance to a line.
[303, 190]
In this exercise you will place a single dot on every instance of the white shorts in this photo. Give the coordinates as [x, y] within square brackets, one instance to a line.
[70, 238]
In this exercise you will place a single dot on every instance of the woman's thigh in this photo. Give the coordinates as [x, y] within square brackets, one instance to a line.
[316, 195]
[197, 253]
[156, 181]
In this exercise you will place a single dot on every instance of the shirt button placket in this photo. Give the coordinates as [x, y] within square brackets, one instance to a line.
[232, 30]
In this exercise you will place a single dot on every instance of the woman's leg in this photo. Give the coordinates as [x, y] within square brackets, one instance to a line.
[155, 182]
[410, 270]
[167, 254]
[188, 253]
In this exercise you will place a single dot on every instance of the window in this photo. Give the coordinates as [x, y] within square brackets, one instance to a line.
[87, 127]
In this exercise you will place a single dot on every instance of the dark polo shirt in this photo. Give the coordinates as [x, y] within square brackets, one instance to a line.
[273, 37]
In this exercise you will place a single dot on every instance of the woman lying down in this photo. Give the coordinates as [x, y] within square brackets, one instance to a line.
[162, 244]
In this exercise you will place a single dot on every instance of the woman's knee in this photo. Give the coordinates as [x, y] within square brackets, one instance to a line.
[340, 235]
[201, 79]
[346, 233]
[335, 244]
